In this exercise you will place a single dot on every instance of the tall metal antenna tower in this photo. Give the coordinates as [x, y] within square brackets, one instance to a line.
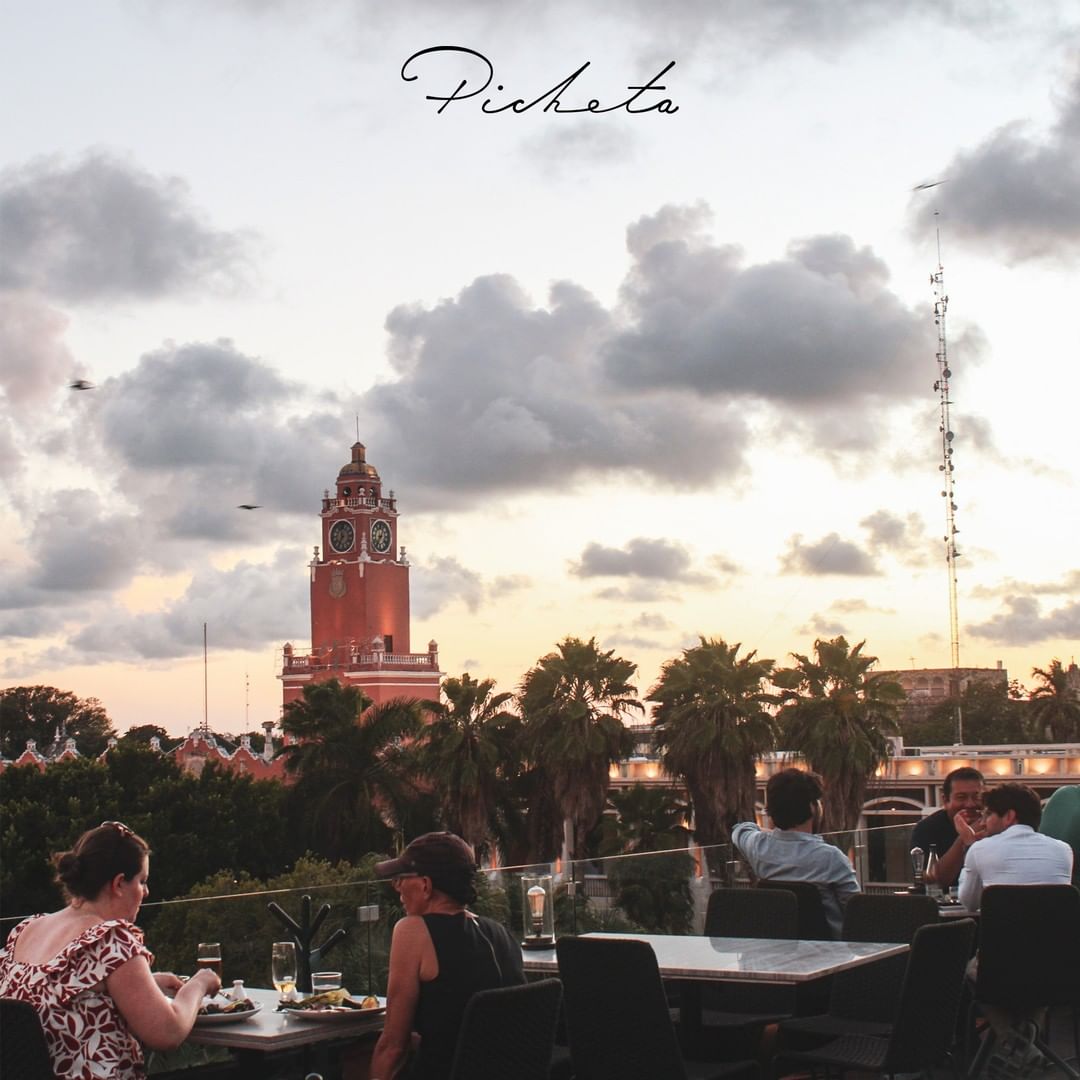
[947, 469]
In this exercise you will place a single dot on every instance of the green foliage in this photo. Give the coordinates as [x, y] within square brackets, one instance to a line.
[645, 819]
[573, 703]
[465, 751]
[838, 715]
[195, 826]
[38, 712]
[356, 777]
[1055, 706]
[654, 890]
[141, 735]
[712, 724]
[992, 714]
[246, 928]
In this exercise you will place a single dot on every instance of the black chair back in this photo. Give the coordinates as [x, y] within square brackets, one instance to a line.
[925, 1023]
[1029, 946]
[813, 926]
[871, 992]
[752, 913]
[508, 1032]
[23, 1050]
[616, 1012]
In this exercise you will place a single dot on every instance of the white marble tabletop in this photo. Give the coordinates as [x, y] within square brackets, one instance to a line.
[731, 959]
[270, 1030]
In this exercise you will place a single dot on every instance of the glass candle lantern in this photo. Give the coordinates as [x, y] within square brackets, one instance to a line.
[538, 910]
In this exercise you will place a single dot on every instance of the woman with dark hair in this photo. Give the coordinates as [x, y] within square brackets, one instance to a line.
[85, 968]
[440, 955]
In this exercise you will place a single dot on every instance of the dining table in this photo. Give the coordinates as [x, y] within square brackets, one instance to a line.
[255, 1039]
[693, 960]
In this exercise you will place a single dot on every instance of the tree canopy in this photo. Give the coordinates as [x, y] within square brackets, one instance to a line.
[41, 712]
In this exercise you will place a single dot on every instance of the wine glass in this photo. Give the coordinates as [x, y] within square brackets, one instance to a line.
[283, 967]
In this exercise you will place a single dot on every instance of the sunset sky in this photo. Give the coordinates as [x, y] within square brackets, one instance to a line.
[638, 375]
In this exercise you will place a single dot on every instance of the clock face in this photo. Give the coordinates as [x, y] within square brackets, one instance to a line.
[380, 537]
[342, 536]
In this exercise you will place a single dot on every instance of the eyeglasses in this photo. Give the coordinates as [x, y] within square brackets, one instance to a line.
[119, 826]
[401, 877]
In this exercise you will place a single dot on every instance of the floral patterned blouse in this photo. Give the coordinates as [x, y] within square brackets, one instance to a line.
[87, 1037]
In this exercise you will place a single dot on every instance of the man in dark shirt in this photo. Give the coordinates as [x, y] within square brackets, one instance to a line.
[953, 828]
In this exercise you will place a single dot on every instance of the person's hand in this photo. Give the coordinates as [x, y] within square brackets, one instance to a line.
[167, 982]
[969, 831]
[211, 984]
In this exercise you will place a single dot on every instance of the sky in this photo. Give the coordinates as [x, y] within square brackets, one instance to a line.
[653, 371]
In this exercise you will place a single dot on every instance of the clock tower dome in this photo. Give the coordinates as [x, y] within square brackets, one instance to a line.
[360, 597]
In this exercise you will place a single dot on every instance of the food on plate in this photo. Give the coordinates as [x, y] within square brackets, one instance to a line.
[216, 1008]
[370, 1002]
[326, 1000]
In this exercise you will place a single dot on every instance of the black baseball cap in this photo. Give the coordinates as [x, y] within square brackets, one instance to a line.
[441, 856]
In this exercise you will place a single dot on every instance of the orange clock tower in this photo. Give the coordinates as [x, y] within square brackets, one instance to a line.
[360, 598]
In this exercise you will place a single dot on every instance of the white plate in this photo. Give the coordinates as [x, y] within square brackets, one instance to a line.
[208, 1019]
[336, 1013]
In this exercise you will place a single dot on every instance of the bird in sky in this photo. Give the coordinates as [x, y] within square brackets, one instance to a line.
[81, 384]
[248, 506]
[932, 183]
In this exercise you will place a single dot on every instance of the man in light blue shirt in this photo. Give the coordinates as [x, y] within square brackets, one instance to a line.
[794, 851]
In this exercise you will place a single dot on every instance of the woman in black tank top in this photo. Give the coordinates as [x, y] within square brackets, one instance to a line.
[441, 954]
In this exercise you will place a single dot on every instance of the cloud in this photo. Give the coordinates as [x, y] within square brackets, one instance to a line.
[494, 393]
[723, 565]
[101, 228]
[1067, 585]
[637, 592]
[905, 538]
[1017, 194]
[1023, 623]
[193, 430]
[649, 620]
[247, 606]
[820, 626]
[439, 582]
[829, 555]
[34, 360]
[559, 151]
[858, 606]
[815, 329]
[640, 557]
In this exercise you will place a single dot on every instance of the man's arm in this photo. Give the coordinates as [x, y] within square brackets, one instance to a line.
[971, 885]
[951, 862]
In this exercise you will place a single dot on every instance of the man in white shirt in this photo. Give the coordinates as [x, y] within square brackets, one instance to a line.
[1012, 851]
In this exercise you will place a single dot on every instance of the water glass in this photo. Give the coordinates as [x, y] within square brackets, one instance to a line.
[321, 981]
[283, 967]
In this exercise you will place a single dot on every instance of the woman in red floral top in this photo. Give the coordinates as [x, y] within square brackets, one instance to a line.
[86, 971]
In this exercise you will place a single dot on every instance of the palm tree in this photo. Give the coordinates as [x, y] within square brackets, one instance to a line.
[712, 724]
[838, 716]
[1054, 710]
[354, 766]
[573, 703]
[463, 750]
[646, 819]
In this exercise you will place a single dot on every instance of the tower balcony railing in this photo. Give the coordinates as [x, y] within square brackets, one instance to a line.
[355, 502]
[301, 663]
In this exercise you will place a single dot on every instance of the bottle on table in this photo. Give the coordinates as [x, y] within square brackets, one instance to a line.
[917, 865]
[933, 886]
